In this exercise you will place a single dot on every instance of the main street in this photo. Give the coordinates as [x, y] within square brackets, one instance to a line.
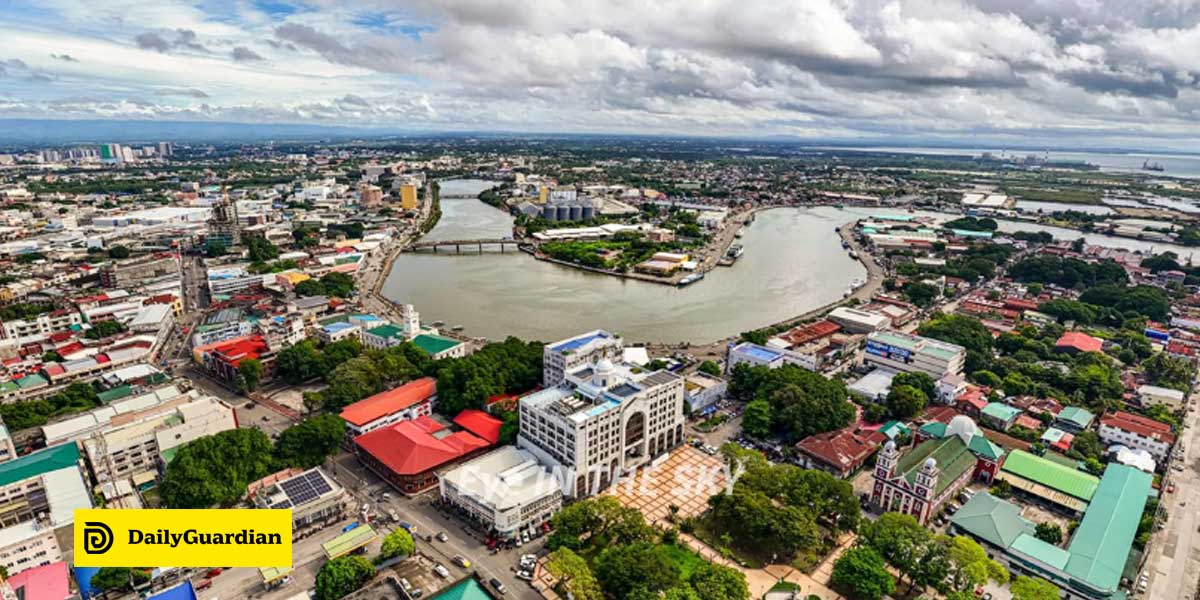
[1174, 562]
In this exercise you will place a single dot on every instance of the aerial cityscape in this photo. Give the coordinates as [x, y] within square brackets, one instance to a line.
[601, 301]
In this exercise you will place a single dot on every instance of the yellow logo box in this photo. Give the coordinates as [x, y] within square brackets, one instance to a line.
[233, 537]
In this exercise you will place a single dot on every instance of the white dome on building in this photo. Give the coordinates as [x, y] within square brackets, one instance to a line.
[930, 464]
[890, 446]
[602, 373]
[963, 427]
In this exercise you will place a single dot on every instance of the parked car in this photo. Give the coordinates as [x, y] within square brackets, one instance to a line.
[441, 571]
[498, 585]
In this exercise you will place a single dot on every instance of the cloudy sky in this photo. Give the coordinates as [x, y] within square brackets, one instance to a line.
[1086, 72]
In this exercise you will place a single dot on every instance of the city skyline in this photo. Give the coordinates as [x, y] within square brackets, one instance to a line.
[1083, 74]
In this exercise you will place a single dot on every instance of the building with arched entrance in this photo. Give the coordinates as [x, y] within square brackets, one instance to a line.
[603, 421]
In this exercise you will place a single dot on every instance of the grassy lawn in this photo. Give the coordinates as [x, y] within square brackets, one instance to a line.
[1067, 195]
[711, 423]
[685, 559]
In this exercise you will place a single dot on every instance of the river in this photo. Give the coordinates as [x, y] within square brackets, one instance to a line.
[793, 263]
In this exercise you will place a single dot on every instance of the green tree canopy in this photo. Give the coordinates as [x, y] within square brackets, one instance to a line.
[1033, 588]
[635, 568]
[249, 375]
[215, 470]
[862, 573]
[397, 543]
[307, 444]
[572, 575]
[341, 576]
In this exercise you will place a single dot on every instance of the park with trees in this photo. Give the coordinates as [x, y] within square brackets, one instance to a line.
[601, 549]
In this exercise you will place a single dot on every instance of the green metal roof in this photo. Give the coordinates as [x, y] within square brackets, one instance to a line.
[934, 429]
[1081, 417]
[1001, 411]
[350, 541]
[991, 519]
[951, 454]
[1102, 541]
[30, 381]
[434, 344]
[386, 331]
[985, 448]
[1041, 551]
[1051, 474]
[39, 463]
[467, 589]
[116, 393]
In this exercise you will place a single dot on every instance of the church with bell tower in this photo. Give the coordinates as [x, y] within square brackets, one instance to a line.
[920, 481]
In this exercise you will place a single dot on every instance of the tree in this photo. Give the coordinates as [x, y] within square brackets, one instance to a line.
[718, 582]
[308, 443]
[249, 374]
[119, 579]
[300, 362]
[341, 576]
[1167, 371]
[261, 250]
[969, 565]
[572, 576]
[1033, 588]
[339, 285]
[215, 470]
[397, 543]
[635, 568]
[597, 522]
[709, 367]
[103, 329]
[310, 287]
[756, 419]
[118, 252]
[899, 539]
[920, 293]
[1048, 532]
[214, 249]
[862, 573]
[905, 401]
[919, 380]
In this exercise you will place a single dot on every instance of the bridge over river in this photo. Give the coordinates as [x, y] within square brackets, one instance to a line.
[476, 245]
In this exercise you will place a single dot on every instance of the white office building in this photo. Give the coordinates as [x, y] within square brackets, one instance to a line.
[912, 353]
[601, 422]
[568, 355]
[506, 491]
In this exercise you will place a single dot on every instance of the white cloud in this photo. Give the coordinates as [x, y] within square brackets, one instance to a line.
[761, 67]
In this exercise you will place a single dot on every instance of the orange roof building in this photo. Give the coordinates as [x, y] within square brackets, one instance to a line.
[404, 403]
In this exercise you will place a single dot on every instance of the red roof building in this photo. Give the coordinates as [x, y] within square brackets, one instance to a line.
[840, 452]
[408, 453]
[804, 334]
[1028, 422]
[480, 423]
[1077, 341]
[409, 401]
[1020, 304]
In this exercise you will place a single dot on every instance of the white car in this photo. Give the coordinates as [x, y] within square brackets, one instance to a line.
[441, 571]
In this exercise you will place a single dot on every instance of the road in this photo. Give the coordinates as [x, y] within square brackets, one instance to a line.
[1174, 561]
[429, 520]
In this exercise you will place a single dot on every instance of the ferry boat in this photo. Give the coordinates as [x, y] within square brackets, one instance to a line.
[740, 232]
[736, 251]
[457, 328]
[857, 282]
[690, 279]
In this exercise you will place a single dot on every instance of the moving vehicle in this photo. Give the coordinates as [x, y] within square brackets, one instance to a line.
[461, 561]
[442, 537]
